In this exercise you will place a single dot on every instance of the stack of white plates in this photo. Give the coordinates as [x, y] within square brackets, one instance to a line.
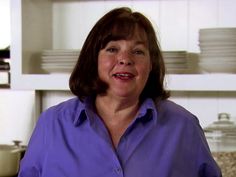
[59, 61]
[175, 61]
[218, 50]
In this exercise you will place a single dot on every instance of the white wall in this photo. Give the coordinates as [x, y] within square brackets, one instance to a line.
[17, 115]
[4, 23]
[176, 21]
[207, 105]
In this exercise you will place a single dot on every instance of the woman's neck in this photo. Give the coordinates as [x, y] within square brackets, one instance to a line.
[116, 109]
[116, 114]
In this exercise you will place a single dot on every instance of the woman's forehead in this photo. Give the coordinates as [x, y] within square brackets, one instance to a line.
[124, 31]
[128, 29]
[137, 33]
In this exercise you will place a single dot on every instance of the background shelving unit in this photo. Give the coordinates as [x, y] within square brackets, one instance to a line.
[47, 24]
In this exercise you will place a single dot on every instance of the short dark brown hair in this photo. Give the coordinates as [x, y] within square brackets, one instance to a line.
[117, 24]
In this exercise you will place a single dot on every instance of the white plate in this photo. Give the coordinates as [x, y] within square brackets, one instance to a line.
[218, 67]
[175, 60]
[58, 69]
[61, 52]
[221, 30]
[217, 59]
[175, 54]
[217, 34]
[176, 65]
[215, 54]
[216, 47]
[176, 71]
[57, 64]
[218, 42]
[59, 61]
[59, 57]
[218, 50]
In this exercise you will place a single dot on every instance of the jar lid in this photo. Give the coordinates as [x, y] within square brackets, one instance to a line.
[222, 127]
[8, 147]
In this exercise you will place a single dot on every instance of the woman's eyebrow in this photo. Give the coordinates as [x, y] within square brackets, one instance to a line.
[141, 42]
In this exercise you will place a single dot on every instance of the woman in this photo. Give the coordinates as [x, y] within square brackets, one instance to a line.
[120, 123]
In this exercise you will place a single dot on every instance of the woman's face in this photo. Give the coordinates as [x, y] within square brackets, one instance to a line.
[125, 66]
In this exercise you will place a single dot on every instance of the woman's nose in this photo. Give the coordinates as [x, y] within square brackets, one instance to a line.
[125, 62]
[125, 59]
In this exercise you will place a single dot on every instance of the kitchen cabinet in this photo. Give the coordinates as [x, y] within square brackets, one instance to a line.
[53, 24]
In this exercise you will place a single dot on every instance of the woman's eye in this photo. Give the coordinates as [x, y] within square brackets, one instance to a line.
[139, 52]
[111, 49]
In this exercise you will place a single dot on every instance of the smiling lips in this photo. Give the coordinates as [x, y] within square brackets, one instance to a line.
[123, 76]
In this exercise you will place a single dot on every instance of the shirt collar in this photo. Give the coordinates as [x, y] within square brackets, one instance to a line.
[80, 113]
[147, 111]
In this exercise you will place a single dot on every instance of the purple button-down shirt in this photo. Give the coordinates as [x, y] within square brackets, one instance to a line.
[164, 140]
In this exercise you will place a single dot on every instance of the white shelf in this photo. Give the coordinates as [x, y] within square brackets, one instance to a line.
[201, 82]
[174, 82]
[41, 82]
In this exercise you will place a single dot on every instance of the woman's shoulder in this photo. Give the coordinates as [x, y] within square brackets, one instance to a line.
[168, 109]
[67, 105]
[171, 106]
[66, 109]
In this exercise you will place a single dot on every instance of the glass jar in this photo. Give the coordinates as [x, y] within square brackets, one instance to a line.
[221, 137]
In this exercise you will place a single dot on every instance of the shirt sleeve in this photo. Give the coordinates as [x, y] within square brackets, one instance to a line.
[31, 164]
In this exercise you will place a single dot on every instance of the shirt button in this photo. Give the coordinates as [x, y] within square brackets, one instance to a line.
[118, 170]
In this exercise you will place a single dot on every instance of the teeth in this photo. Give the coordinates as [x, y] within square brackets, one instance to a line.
[122, 75]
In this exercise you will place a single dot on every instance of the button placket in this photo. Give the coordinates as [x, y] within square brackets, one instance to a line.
[117, 167]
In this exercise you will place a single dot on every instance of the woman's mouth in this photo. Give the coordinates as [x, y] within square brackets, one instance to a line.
[123, 76]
